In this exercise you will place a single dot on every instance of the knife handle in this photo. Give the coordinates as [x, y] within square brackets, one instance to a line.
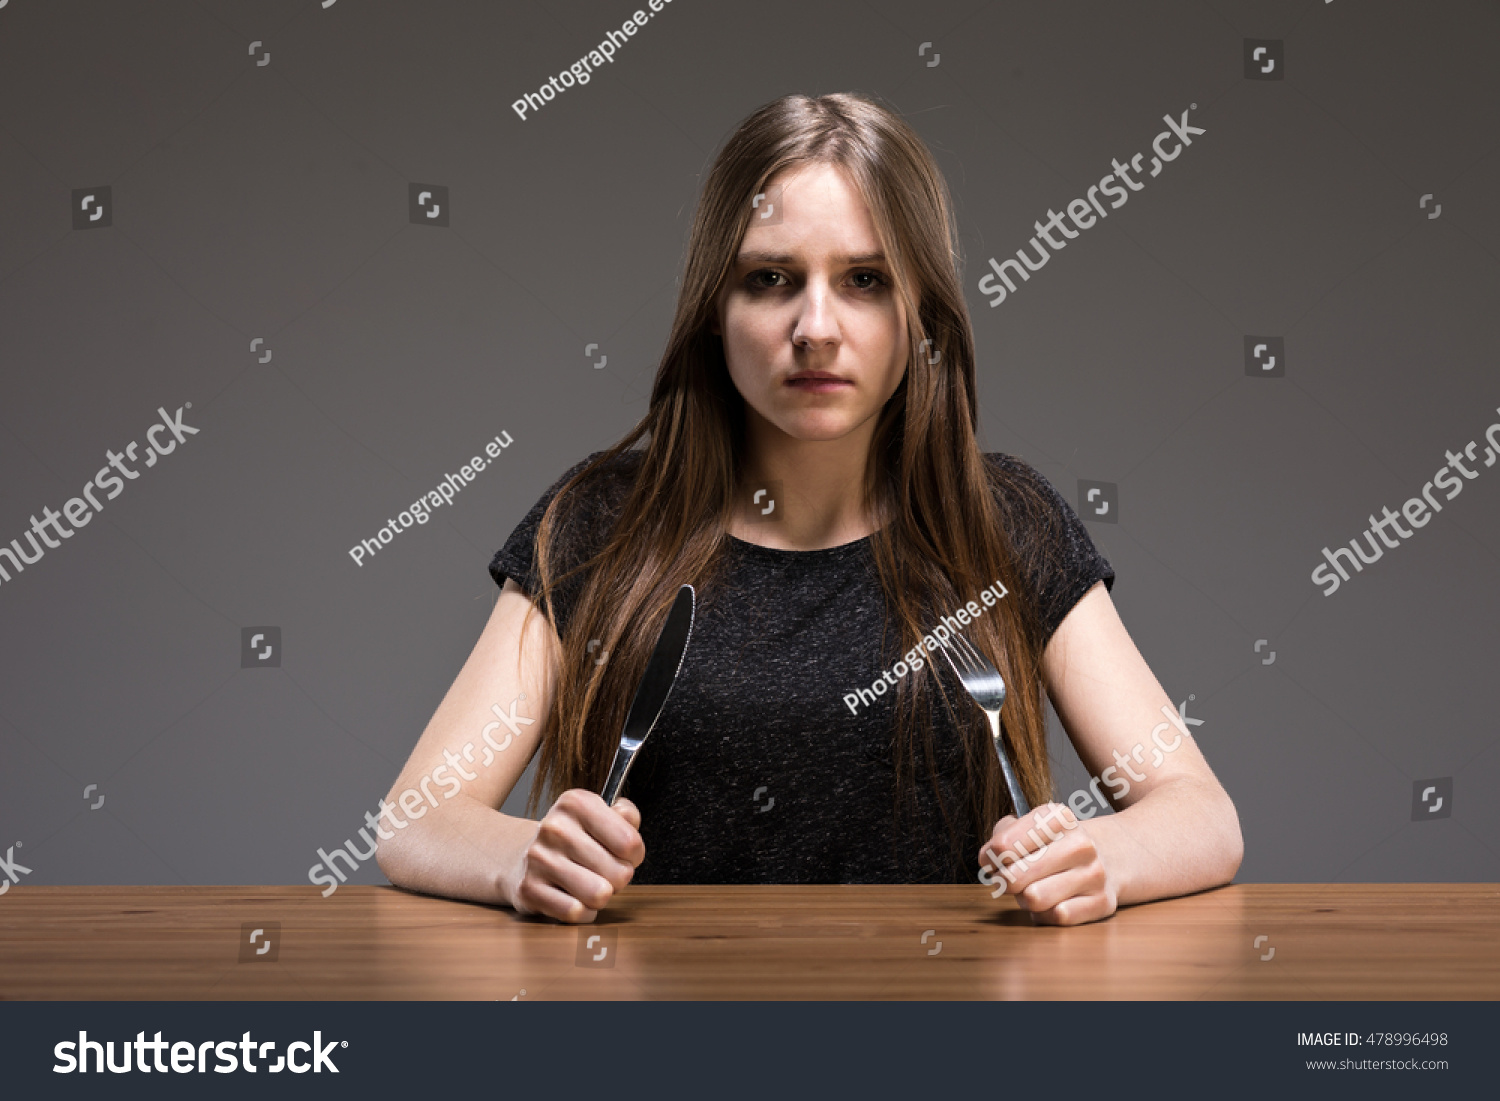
[623, 757]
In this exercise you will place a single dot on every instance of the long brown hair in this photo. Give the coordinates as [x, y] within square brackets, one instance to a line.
[943, 537]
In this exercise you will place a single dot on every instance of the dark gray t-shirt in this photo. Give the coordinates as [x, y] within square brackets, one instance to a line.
[757, 771]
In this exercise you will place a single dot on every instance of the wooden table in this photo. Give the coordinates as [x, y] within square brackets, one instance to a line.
[1322, 941]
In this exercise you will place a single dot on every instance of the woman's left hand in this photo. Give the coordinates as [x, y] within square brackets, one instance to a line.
[1048, 860]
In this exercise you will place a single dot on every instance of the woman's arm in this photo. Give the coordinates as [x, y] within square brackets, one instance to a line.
[440, 829]
[1175, 829]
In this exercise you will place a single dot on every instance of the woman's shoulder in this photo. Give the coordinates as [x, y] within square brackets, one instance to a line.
[1030, 504]
[1023, 492]
[582, 518]
[1056, 553]
[605, 486]
[1010, 464]
[622, 465]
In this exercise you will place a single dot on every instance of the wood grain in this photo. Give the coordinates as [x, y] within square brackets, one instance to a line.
[1330, 941]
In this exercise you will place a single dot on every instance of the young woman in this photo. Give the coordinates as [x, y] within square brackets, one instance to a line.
[810, 466]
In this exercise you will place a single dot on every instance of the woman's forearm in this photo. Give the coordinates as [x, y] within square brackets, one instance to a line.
[463, 849]
[1180, 838]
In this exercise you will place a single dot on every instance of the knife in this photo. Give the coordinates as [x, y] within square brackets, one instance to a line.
[656, 685]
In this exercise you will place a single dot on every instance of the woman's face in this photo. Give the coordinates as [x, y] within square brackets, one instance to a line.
[810, 292]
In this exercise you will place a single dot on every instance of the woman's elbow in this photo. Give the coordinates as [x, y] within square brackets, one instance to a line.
[393, 856]
[386, 861]
[1231, 847]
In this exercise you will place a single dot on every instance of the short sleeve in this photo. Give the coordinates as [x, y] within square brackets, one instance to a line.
[1054, 550]
[576, 538]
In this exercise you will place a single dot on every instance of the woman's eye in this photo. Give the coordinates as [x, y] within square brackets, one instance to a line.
[875, 279]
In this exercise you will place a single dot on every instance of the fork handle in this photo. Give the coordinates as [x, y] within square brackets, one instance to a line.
[1012, 784]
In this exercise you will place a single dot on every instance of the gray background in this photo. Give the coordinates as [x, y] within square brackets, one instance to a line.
[271, 201]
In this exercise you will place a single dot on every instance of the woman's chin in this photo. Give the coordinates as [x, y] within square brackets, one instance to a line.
[818, 429]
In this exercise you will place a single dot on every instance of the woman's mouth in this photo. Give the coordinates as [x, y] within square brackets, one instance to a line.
[818, 385]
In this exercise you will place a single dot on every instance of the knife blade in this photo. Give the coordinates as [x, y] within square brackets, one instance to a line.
[655, 686]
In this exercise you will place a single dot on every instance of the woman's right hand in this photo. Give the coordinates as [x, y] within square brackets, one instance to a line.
[584, 851]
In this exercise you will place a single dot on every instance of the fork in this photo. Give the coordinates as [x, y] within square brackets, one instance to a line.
[982, 681]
